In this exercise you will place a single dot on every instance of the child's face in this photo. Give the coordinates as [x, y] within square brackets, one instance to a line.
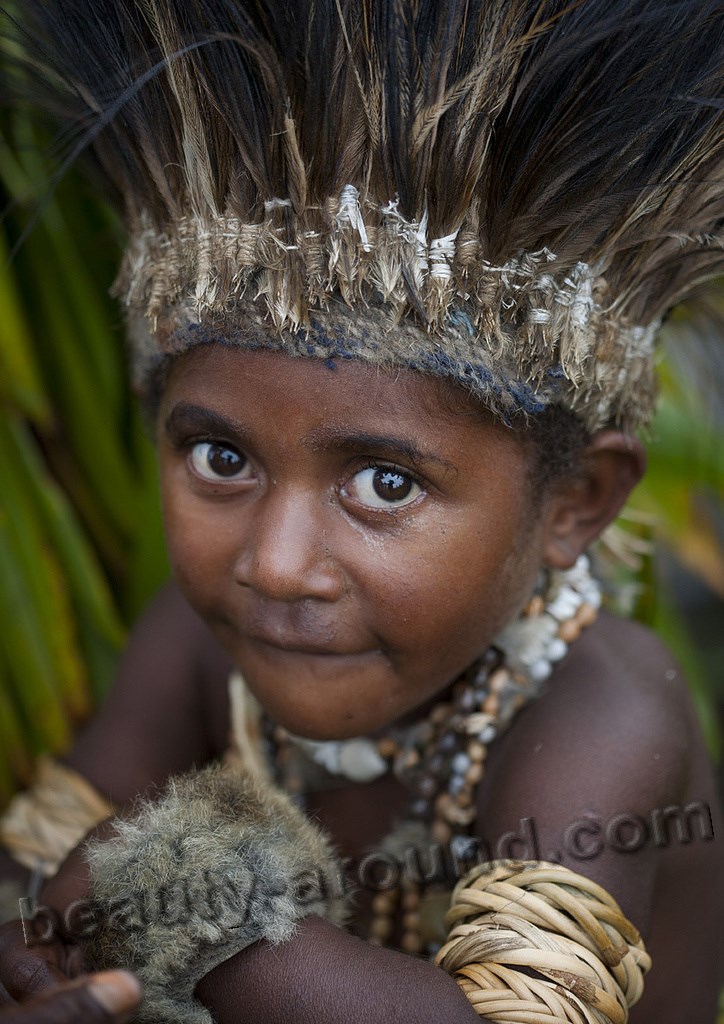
[354, 537]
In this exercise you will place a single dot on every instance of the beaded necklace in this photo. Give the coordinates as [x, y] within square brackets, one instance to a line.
[441, 759]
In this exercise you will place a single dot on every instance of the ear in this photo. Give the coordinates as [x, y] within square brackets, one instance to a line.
[582, 507]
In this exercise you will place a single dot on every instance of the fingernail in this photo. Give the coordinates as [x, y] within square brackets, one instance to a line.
[116, 991]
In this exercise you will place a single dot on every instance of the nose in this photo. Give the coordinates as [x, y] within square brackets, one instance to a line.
[284, 554]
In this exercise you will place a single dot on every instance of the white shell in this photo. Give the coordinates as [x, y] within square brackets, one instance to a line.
[557, 649]
[540, 670]
[565, 605]
[360, 760]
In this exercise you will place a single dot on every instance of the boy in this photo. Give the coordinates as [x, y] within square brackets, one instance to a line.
[393, 281]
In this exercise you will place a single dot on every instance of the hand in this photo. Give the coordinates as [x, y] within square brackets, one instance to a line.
[92, 999]
[29, 969]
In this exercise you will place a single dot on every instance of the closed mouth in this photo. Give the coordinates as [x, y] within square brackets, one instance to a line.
[294, 645]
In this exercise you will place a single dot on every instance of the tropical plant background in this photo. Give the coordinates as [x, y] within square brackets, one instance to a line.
[81, 546]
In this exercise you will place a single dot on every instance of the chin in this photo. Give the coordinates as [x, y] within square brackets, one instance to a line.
[318, 723]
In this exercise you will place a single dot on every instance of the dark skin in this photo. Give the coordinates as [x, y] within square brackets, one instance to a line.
[108, 998]
[281, 559]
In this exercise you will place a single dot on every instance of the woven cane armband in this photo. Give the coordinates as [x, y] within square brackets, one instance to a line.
[219, 862]
[507, 920]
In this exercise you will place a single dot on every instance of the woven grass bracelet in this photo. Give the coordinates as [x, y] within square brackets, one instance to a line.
[589, 960]
[43, 824]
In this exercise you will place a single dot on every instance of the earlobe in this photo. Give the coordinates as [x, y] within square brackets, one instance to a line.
[582, 507]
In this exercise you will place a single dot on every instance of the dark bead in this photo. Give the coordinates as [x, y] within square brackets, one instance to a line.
[420, 808]
[466, 700]
[426, 786]
[490, 659]
[447, 743]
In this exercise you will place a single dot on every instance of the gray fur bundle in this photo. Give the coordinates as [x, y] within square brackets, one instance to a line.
[218, 863]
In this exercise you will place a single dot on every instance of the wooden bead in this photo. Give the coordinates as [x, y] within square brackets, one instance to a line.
[441, 832]
[381, 929]
[410, 759]
[491, 704]
[410, 899]
[440, 713]
[442, 803]
[474, 773]
[411, 942]
[535, 606]
[387, 748]
[384, 902]
[411, 921]
[586, 615]
[569, 631]
[477, 751]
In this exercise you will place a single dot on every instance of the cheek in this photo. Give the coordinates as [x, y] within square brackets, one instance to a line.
[445, 604]
[199, 547]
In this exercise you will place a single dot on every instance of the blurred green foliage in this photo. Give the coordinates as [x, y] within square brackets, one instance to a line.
[81, 545]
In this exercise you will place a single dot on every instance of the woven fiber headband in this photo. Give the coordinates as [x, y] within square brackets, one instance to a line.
[370, 285]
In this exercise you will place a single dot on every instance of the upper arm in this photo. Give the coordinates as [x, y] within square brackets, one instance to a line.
[589, 764]
[154, 721]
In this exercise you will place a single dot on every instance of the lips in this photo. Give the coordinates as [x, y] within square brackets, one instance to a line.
[293, 645]
[299, 629]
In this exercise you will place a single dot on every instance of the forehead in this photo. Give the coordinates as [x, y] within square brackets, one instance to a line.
[300, 396]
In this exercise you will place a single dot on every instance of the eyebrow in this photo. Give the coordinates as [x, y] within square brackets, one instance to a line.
[185, 416]
[333, 439]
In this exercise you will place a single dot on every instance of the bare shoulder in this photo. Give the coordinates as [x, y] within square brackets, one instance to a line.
[611, 742]
[166, 708]
[617, 709]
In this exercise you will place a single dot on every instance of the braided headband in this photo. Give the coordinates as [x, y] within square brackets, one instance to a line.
[357, 280]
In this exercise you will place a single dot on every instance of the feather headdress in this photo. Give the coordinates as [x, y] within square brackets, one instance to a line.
[508, 193]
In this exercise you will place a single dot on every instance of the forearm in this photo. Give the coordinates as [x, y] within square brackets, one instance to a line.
[324, 975]
[72, 883]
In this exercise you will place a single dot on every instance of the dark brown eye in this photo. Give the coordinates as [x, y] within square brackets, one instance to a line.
[390, 485]
[383, 487]
[218, 462]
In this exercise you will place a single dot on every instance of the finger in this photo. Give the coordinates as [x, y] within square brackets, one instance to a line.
[27, 971]
[5, 999]
[117, 992]
[101, 999]
[26, 974]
